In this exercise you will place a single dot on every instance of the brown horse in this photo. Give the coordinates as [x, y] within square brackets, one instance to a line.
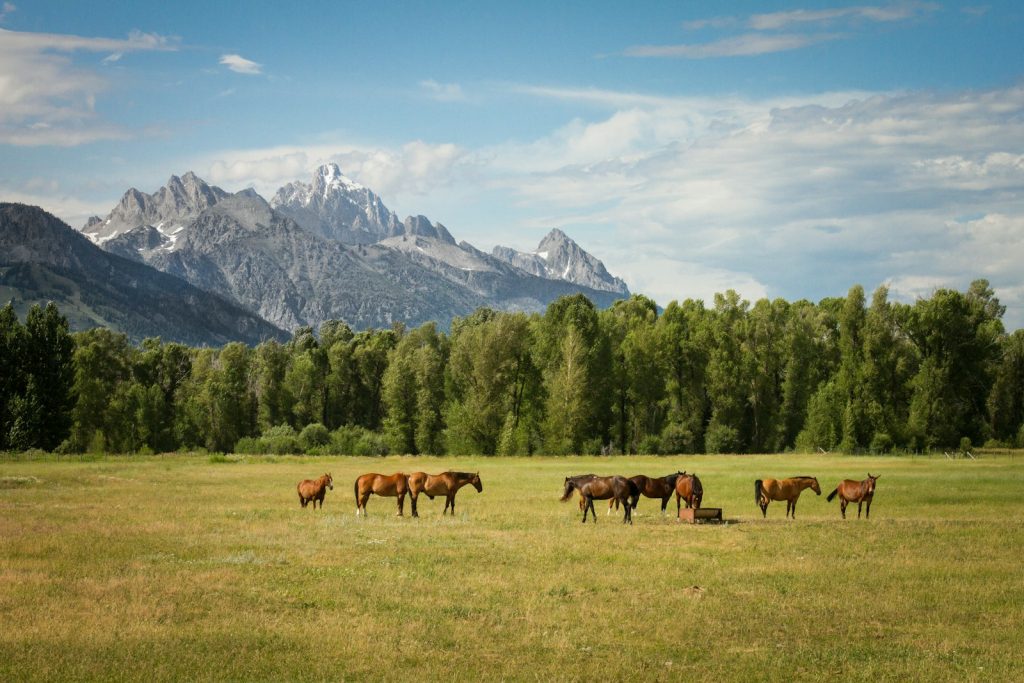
[445, 484]
[396, 484]
[858, 492]
[688, 488]
[652, 487]
[788, 490]
[314, 490]
[602, 488]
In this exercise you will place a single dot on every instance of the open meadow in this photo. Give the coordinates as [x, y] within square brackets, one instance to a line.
[197, 568]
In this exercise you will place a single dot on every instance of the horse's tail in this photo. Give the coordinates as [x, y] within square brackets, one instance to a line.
[757, 491]
[570, 486]
[833, 494]
[634, 493]
[355, 490]
[698, 490]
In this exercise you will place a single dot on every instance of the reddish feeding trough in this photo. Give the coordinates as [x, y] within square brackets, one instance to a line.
[702, 515]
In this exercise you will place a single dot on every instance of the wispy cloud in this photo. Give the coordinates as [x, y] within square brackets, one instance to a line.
[6, 10]
[738, 46]
[876, 13]
[47, 99]
[781, 31]
[443, 92]
[241, 65]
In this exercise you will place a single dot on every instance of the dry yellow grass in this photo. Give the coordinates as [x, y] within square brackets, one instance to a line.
[176, 567]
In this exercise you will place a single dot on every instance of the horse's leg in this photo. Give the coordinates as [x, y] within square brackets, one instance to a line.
[764, 510]
[842, 507]
[794, 509]
[859, 504]
[867, 511]
[629, 512]
[413, 499]
[453, 504]
[589, 507]
[401, 505]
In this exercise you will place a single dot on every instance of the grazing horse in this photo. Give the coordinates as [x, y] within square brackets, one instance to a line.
[858, 492]
[788, 490]
[445, 484]
[652, 487]
[314, 490]
[688, 488]
[394, 485]
[602, 488]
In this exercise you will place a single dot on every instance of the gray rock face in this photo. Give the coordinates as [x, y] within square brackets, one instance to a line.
[330, 249]
[558, 257]
[168, 209]
[43, 259]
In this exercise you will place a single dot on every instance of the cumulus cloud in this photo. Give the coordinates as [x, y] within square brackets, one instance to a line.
[241, 65]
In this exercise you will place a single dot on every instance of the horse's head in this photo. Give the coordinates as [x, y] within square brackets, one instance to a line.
[569, 486]
[815, 487]
[869, 484]
[329, 480]
[477, 484]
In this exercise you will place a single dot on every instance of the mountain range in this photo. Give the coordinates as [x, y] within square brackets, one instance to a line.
[330, 249]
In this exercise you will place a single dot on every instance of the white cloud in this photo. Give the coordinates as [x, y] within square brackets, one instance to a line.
[241, 65]
[7, 9]
[443, 92]
[746, 45]
[878, 13]
[46, 99]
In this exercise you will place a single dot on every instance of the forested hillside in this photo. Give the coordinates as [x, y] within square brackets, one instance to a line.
[841, 374]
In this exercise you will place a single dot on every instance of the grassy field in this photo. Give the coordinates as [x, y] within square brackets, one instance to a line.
[176, 567]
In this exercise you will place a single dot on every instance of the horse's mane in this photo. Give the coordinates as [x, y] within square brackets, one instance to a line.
[804, 477]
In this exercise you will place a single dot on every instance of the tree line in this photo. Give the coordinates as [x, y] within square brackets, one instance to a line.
[841, 374]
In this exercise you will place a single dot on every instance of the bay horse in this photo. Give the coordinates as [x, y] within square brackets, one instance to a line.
[652, 487]
[858, 492]
[314, 490]
[445, 484]
[789, 490]
[688, 488]
[602, 488]
[396, 485]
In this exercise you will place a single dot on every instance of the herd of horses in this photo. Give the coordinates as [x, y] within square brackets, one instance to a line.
[618, 491]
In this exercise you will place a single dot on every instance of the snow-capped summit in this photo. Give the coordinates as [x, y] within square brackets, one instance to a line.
[558, 257]
[335, 206]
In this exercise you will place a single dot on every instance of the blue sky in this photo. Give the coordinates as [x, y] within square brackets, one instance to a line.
[777, 148]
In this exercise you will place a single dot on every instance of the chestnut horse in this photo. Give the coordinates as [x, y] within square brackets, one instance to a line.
[602, 488]
[788, 490]
[652, 487]
[858, 492]
[314, 490]
[688, 488]
[445, 484]
[394, 485]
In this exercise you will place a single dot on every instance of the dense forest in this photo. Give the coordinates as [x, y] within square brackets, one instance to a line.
[843, 374]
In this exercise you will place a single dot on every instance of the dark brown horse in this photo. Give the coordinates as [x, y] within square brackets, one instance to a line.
[383, 485]
[652, 487]
[858, 492]
[314, 490]
[445, 484]
[602, 488]
[689, 489]
[767, 490]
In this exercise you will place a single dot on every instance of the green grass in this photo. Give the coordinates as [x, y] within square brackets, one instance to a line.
[200, 568]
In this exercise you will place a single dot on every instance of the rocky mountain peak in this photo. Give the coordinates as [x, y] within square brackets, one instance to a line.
[558, 257]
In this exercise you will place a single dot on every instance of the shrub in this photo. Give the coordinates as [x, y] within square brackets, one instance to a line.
[881, 443]
[649, 445]
[371, 443]
[314, 435]
[281, 440]
[722, 438]
[249, 446]
[677, 438]
[965, 444]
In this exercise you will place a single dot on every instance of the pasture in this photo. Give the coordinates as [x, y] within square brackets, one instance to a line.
[179, 567]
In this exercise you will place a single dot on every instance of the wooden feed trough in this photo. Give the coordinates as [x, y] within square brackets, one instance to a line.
[693, 515]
